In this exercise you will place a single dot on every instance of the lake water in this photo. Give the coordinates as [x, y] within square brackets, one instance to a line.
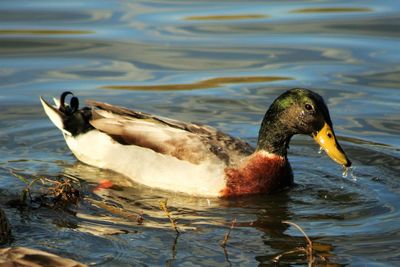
[220, 63]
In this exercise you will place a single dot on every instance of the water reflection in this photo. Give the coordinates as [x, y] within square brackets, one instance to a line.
[388, 79]
[42, 32]
[228, 17]
[332, 10]
[204, 84]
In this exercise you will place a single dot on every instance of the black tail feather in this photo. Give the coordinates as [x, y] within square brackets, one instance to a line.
[73, 103]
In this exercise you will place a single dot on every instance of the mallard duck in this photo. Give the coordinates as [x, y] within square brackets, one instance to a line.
[193, 158]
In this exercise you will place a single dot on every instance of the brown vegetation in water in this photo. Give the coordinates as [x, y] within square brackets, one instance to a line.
[61, 192]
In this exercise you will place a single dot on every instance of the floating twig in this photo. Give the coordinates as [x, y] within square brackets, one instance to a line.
[309, 250]
[163, 207]
[228, 234]
[174, 252]
[310, 244]
[276, 259]
[133, 216]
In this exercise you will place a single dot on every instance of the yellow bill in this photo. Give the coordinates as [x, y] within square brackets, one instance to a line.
[327, 140]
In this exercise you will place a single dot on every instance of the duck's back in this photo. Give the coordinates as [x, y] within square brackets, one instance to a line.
[186, 141]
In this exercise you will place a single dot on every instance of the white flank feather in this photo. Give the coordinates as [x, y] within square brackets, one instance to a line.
[148, 167]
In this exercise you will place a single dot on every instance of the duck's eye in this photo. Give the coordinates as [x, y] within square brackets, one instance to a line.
[308, 107]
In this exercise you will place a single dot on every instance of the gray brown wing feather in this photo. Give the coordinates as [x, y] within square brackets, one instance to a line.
[227, 148]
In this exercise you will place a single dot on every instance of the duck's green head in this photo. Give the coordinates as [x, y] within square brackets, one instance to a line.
[299, 111]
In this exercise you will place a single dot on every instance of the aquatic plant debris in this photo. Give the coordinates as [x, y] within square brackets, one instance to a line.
[53, 192]
[63, 191]
[228, 234]
[163, 207]
[309, 249]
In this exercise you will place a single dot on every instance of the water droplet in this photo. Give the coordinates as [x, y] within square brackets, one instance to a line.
[320, 150]
[347, 171]
[353, 176]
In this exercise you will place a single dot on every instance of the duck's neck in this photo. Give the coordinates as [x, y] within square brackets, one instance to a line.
[274, 135]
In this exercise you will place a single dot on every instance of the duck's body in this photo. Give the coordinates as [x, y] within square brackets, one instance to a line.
[209, 176]
[173, 155]
[148, 167]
